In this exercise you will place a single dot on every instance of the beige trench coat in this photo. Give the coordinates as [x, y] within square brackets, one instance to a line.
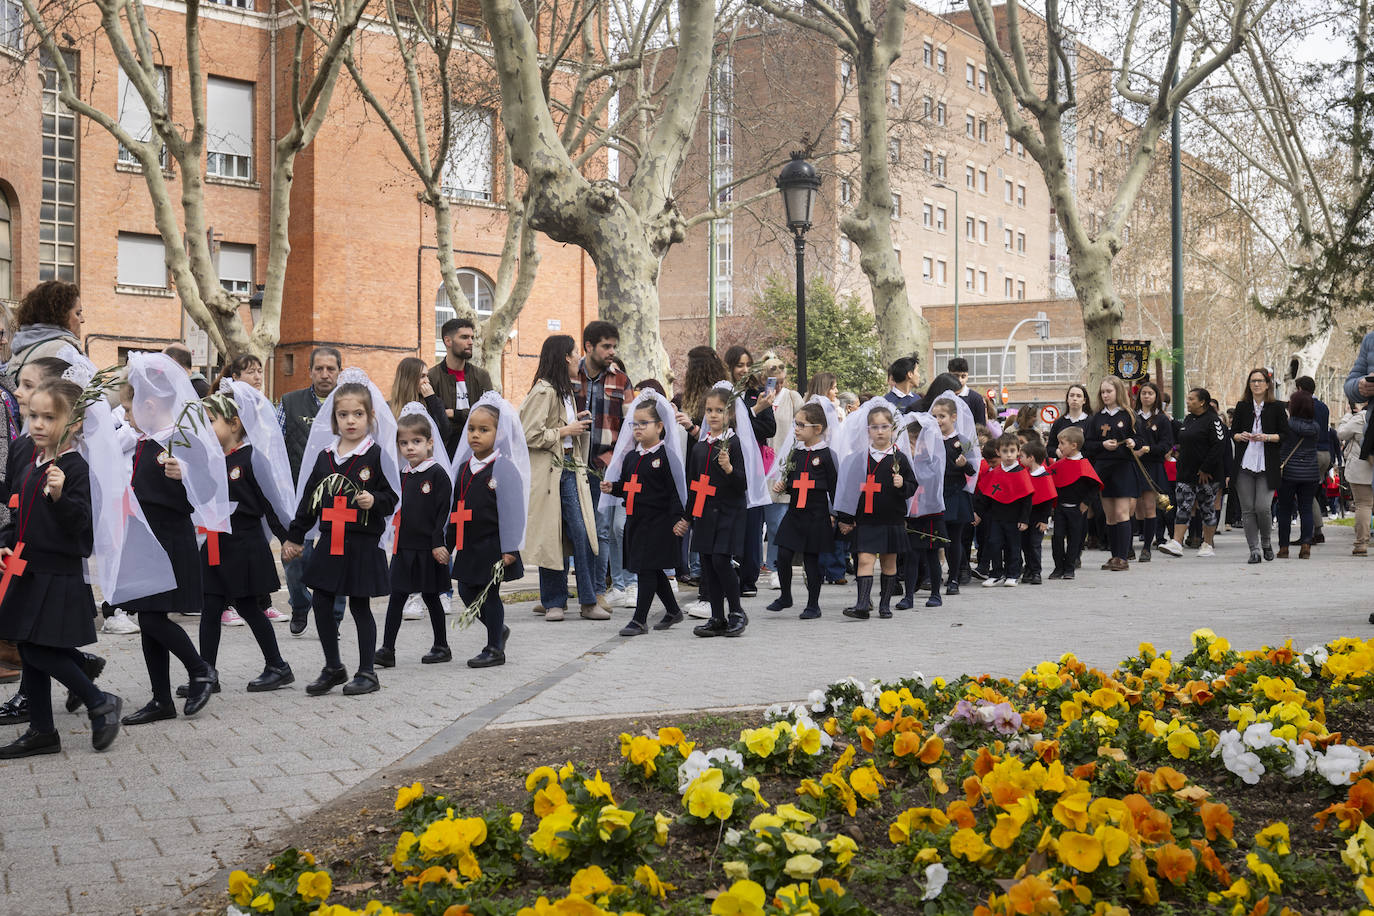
[542, 416]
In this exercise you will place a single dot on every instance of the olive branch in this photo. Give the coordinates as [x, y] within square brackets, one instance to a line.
[101, 383]
[474, 607]
[569, 463]
[331, 486]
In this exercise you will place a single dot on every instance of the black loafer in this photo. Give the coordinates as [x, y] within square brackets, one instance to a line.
[713, 627]
[384, 657]
[487, 658]
[1067, 575]
[298, 623]
[153, 712]
[329, 679]
[363, 682]
[32, 744]
[201, 689]
[15, 710]
[272, 678]
[1269, 553]
[934, 600]
[437, 655]
[91, 666]
[184, 690]
[856, 613]
[952, 588]
[735, 625]
[667, 621]
[907, 603]
[779, 604]
[1254, 557]
[750, 591]
[634, 628]
[105, 722]
[810, 612]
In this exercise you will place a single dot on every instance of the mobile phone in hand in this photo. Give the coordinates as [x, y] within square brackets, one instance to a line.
[771, 385]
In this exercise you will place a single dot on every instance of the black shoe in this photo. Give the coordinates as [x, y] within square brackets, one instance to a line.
[749, 591]
[15, 710]
[811, 612]
[977, 574]
[840, 581]
[299, 622]
[907, 603]
[1057, 574]
[31, 744]
[716, 626]
[329, 679]
[505, 636]
[689, 581]
[384, 657]
[185, 689]
[736, 624]
[1032, 579]
[91, 666]
[952, 589]
[1144, 555]
[1130, 557]
[487, 658]
[1371, 618]
[1068, 574]
[1318, 537]
[856, 613]
[1269, 553]
[965, 577]
[105, 722]
[634, 628]
[437, 655]
[272, 678]
[153, 712]
[779, 604]
[202, 688]
[934, 600]
[886, 585]
[363, 682]
[667, 621]
[1255, 558]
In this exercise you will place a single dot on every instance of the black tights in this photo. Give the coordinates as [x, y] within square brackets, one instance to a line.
[397, 604]
[930, 559]
[43, 664]
[161, 640]
[492, 612]
[954, 550]
[654, 582]
[722, 585]
[811, 565]
[253, 615]
[328, 629]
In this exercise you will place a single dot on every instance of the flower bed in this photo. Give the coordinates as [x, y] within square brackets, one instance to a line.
[1219, 782]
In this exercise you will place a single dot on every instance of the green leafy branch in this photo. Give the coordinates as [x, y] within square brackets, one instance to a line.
[474, 607]
[331, 486]
[103, 382]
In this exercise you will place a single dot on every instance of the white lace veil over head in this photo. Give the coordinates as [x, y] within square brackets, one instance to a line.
[753, 458]
[672, 443]
[511, 471]
[964, 428]
[828, 438]
[416, 409]
[927, 457]
[853, 446]
[261, 430]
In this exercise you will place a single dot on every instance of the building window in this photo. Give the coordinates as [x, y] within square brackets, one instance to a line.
[1007, 287]
[1020, 243]
[846, 71]
[968, 278]
[1007, 239]
[1007, 191]
[57, 216]
[229, 128]
[241, 4]
[1092, 177]
[940, 113]
[1120, 147]
[970, 228]
[894, 92]
[1055, 363]
[1020, 289]
[970, 177]
[236, 268]
[970, 74]
[927, 106]
[941, 164]
[1092, 222]
[896, 205]
[940, 219]
[846, 192]
[6, 249]
[12, 25]
[1006, 143]
[984, 363]
[894, 149]
[725, 266]
[134, 117]
[982, 80]
[983, 231]
[1020, 195]
[844, 251]
[142, 261]
[983, 281]
[927, 268]
[970, 125]
[846, 132]
[941, 60]
[982, 130]
[467, 172]
[928, 160]
[1020, 149]
[927, 215]
[927, 53]
[480, 295]
[983, 181]
[940, 272]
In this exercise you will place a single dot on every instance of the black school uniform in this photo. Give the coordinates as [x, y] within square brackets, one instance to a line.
[717, 518]
[473, 562]
[168, 512]
[879, 518]
[245, 566]
[49, 602]
[806, 527]
[426, 501]
[1003, 501]
[360, 569]
[651, 511]
[958, 501]
[21, 453]
[1160, 435]
[1120, 477]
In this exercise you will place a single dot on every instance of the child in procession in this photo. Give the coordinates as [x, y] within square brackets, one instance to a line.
[925, 526]
[961, 468]
[1113, 436]
[808, 473]
[1043, 499]
[718, 486]
[1075, 481]
[1004, 501]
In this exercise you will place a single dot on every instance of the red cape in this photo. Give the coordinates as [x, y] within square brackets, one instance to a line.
[1005, 486]
[1045, 490]
[1069, 471]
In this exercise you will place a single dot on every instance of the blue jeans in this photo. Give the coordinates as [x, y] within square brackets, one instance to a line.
[553, 583]
[772, 518]
[298, 594]
[610, 538]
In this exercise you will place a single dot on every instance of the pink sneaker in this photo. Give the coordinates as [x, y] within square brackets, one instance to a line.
[230, 618]
[274, 615]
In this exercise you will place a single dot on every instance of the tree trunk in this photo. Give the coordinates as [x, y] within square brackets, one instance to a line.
[1309, 355]
[627, 294]
[1090, 271]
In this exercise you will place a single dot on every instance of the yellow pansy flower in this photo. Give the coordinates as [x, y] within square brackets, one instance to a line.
[590, 881]
[744, 898]
[1265, 872]
[661, 823]
[751, 784]
[648, 879]
[241, 886]
[1080, 850]
[759, 741]
[599, 787]
[1274, 837]
[314, 885]
[1182, 742]
[612, 819]
[800, 842]
[802, 866]
[968, 844]
[406, 795]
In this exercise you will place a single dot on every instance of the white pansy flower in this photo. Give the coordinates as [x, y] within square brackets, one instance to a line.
[936, 876]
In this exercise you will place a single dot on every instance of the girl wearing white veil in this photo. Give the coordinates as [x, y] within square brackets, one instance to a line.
[491, 495]
[650, 479]
[925, 529]
[349, 488]
[961, 478]
[806, 472]
[875, 484]
[179, 478]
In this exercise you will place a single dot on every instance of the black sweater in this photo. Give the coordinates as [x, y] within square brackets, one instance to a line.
[1161, 437]
[889, 502]
[1201, 448]
[365, 472]
[1122, 425]
[1273, 419]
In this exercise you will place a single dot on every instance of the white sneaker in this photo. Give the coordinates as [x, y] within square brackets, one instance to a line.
[414, 609]
[1206, 550]
[1172, 547]
[275, 616]
[773, 582]
[1009, 582]
[446, 602]
[699, 609]
[990, 582]
[614, 596]
[629, 596]
[672, 585]
[121, 624]
[230, 618]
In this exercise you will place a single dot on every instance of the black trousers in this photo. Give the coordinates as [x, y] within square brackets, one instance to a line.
[654, 582]
[492, 613]
[162, 639]
[1066, 544]
[1032, 546]
[956, 553]
[1003, 547]
[811, 564]
[722, 586]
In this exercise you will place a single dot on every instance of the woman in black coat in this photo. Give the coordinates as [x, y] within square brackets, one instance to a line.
[1299, 475]
[1259, 425]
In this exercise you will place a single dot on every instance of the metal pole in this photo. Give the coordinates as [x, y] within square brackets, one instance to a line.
[958, 277]
[801, 311]
[711, 230]
[1002, 374]
[1176, 240]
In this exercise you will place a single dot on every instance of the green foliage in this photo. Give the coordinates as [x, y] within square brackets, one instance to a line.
[841, 335]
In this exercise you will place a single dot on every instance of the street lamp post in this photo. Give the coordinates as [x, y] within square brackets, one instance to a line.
[1176, 239]
[799, 182]
[1042, 330]
[957, 278]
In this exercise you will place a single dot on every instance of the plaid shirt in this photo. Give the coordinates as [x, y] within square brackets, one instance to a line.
[604, 398]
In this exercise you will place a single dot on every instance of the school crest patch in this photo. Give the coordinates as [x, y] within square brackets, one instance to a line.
[235, 473]
[815, 462]
[365, 475]
[491, 483]
[425, 487]
[162, 458]
[656, 463]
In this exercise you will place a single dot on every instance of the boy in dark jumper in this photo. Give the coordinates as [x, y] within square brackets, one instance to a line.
[1004, 500]
[1043, 499]
[1075, 480]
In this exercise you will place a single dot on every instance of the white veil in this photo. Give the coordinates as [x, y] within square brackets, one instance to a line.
[383, 433]
[672, 444]
[964, 428]
[416, 409]
[927, 459]
[512, 476]
[757, 494]
[828, 438]
[261, 430]
[167, 410]
[853, 442]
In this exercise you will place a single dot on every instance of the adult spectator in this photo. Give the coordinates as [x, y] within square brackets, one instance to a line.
[1326, 448]
[561, 509]
[904, 379]
[958, 367]
[1359, 389]
[410, 383]
[849, 402]
[181, 355]
[600, 388]
[296, 414]
[1260, 423]
[246, 368]
[1201, 473]
[49, 318]
[740, 362]
[1359, 473]
[459, 382]
[786, 403]
[826, 385]
[1298, 477]
[11, 419]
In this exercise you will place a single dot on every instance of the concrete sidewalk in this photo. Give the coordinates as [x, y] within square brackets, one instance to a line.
[132, 829]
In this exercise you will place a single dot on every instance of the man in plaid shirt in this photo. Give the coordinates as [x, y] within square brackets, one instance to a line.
[601, 389]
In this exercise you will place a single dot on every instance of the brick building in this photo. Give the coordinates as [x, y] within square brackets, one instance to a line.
[361, 274]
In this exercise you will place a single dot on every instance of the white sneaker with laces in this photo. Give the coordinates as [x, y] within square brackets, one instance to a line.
[121, 624]
[698, 609]
[275, 615]
[992, 582]
[629, 596]
[773, 582]
[230, 618]
[414, 608]
[1206, 550]
[1009, 582]
[614, 596]
[446, 602]
[1172, 547]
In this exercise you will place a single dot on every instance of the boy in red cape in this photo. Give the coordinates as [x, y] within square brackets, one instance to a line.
[1004, 499]
[1074, 478]
[1044, 497]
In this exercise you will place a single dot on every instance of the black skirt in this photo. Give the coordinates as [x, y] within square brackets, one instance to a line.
[719, 532]
[49, 609]
[1120, 479]
[806, 532]
[880, 539]
[360, 571]
[1155, 470]
[958, 507]
[649, 542]
[177, 536]
[416, 571]
[246, 566]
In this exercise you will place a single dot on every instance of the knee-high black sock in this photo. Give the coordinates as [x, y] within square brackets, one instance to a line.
[665, 594]
[933, 563]
[493, 614]
[436, 618]
[715, 593]
[784, 570]
[728, 582]
[361, 608]
[887, 584]
[1124, 539]
[326, 627]
[811, 565]
[1147, 531]
[864, 600]
[391, 628]
[161, 638]
[210, 628]
[48, 664]
[250, 609]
